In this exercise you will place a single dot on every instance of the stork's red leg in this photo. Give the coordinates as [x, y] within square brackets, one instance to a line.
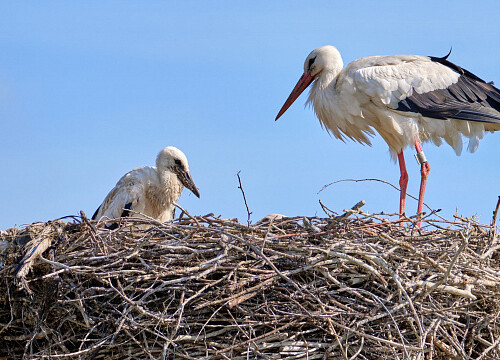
[403, 183]
[425, 168]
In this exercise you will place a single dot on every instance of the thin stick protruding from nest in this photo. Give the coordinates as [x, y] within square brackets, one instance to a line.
[377, 180]
[352, 210]
[327, 211]
[184, 211]
[244, 197]
[494, 220]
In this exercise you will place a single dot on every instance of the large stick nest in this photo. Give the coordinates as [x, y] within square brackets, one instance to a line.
[345, 287]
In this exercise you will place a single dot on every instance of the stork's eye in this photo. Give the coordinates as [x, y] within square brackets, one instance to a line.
[311, 61]
[178, 162]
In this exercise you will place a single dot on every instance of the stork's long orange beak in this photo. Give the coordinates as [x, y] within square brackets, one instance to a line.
[304, 81]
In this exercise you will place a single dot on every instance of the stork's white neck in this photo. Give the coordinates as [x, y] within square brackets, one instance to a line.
[321, 92]
[325, 79]
[170, 185]
[161, 194]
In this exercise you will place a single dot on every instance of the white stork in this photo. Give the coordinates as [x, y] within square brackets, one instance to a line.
[150, 190]
[407, 99]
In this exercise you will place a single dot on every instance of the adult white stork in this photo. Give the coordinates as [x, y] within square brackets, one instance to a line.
[407, 99]
[150, 190]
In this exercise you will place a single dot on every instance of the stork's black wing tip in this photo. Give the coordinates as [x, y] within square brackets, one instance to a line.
[126, 209]
[447, 55]
[94, 217]
[112, 226]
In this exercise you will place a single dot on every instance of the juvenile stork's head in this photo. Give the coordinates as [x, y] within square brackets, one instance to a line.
[321, 61]
[173, 160]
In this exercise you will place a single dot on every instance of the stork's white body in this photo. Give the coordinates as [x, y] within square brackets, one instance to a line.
[407, 99]
[146, 191]
[150, 190]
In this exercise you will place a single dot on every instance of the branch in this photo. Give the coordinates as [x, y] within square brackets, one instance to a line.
[244, 197]
[378, 180]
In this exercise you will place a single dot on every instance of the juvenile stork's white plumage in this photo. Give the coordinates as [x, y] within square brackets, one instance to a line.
[150, 190]
[407, 99]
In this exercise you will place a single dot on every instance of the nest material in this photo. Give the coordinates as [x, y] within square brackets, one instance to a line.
[345, 287]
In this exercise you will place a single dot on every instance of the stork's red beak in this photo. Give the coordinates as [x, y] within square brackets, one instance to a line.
[304, 81]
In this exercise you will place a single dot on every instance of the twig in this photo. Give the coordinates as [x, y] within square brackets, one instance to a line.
[445, 288]
[352, 210]
[441, 281]
[187, 213]
[494, 220]
[244, 197]
[377, 180]
[327, 211]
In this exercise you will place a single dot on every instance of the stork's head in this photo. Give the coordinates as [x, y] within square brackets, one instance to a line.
[173, 160]
[325, 59]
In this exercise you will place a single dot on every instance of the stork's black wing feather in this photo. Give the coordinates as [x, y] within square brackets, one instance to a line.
[95, 214]
[125, 213]
[470, 98]
[126, 209]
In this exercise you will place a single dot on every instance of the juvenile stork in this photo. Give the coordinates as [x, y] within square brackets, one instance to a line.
[407, 99]
[150, 190]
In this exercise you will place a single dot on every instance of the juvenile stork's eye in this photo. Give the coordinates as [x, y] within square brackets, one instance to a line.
[178, 162]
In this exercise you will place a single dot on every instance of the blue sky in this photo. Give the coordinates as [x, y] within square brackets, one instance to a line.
[92, 89]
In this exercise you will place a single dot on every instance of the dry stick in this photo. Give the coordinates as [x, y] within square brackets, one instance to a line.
[360, 263]
[77, 353]
[378, 180]
[387, 313]
[188, 214]
[353, 210]
[495, 213]
[257, 338]
[206, 322]
[445, 288]
[353, 228]
[11, 309]
[93, 231]
[359, 350]
[374, 216]
[408, 246]
[448, 271]
[397, 280]
[327, 211]
[244, 197]
[494, 221]
[342, 350]
[266, 235]
[495, 344]
[382, 340]
[259, 251]
[129, 219]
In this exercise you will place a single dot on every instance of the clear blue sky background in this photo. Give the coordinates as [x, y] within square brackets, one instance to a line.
[92, 89]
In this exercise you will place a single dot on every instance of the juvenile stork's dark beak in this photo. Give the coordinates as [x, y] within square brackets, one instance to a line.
[188, 182]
